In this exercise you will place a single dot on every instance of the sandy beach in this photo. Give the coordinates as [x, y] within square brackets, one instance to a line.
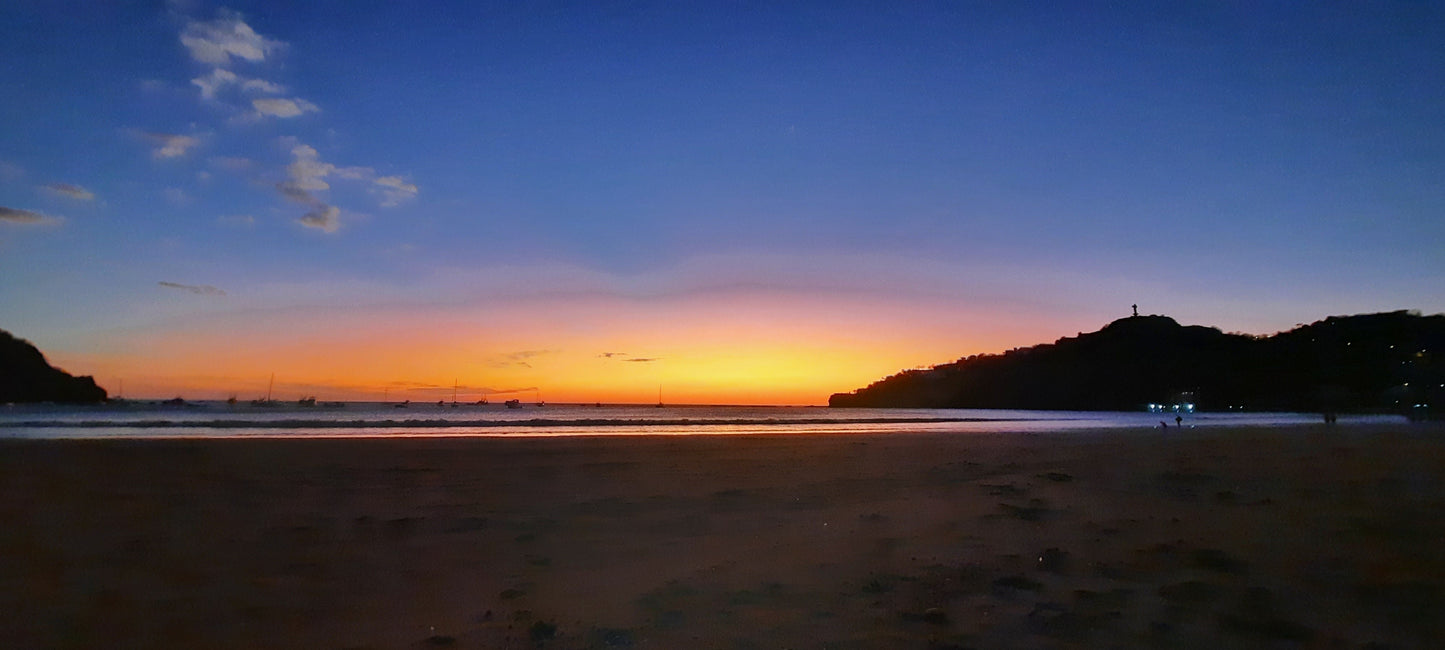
[1311, 537]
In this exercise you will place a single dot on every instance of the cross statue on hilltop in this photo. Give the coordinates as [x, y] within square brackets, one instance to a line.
[1136, 311]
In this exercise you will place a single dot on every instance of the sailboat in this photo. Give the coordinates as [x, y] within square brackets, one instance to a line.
[119, 399]
[454, 393]
[659, 397]
[266, 401]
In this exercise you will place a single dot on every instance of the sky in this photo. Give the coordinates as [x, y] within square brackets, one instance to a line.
[699, 202]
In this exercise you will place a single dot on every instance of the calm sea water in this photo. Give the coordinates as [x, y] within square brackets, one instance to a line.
[358, 419]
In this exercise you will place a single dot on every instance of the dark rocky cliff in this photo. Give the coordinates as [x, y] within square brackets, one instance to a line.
[25, 376]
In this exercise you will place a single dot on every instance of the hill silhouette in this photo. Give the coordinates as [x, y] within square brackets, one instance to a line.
[1371, 362]
[25, 376]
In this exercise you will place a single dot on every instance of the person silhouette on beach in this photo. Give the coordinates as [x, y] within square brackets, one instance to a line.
[1178, 420]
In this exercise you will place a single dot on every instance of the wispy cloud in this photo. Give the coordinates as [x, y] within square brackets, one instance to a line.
[176, 195]
[227, 44]
[171, 145]
[394, 190]
[282, 107]
[308, 174]
[262, 86]
[198, 289]
[326, 218]
[218, 79]
[16, 215]
[623, 356]
[520, 359]
[71, 191]
[227, 37]
[214, 82]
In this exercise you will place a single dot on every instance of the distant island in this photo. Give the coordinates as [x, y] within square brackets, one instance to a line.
[25, 376]
[1385, 362]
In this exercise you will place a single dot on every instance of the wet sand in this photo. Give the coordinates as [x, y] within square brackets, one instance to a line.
[1327, 537]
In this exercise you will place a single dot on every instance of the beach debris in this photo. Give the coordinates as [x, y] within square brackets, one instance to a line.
[1053, 560]
[542, 631]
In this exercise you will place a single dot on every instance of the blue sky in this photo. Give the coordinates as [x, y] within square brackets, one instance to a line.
[1011, 172]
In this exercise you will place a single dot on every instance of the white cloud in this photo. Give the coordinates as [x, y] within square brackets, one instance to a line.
[355, 173]
[170, 145]
[305, 174]
[72, 191]
[16, 215]
[220, 78]
[212, 83]
[395, 190]
[326, 218]
[262, 86]
[282, 107]
[217, 41]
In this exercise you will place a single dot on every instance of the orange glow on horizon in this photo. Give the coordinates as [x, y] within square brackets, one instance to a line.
[763, 350]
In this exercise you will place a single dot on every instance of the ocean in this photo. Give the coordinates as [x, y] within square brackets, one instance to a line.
[207, 419]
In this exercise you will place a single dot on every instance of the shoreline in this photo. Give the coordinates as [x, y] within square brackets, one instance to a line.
[1247, 537]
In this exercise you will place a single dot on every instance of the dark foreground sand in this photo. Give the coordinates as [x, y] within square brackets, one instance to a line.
[1301, 537]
